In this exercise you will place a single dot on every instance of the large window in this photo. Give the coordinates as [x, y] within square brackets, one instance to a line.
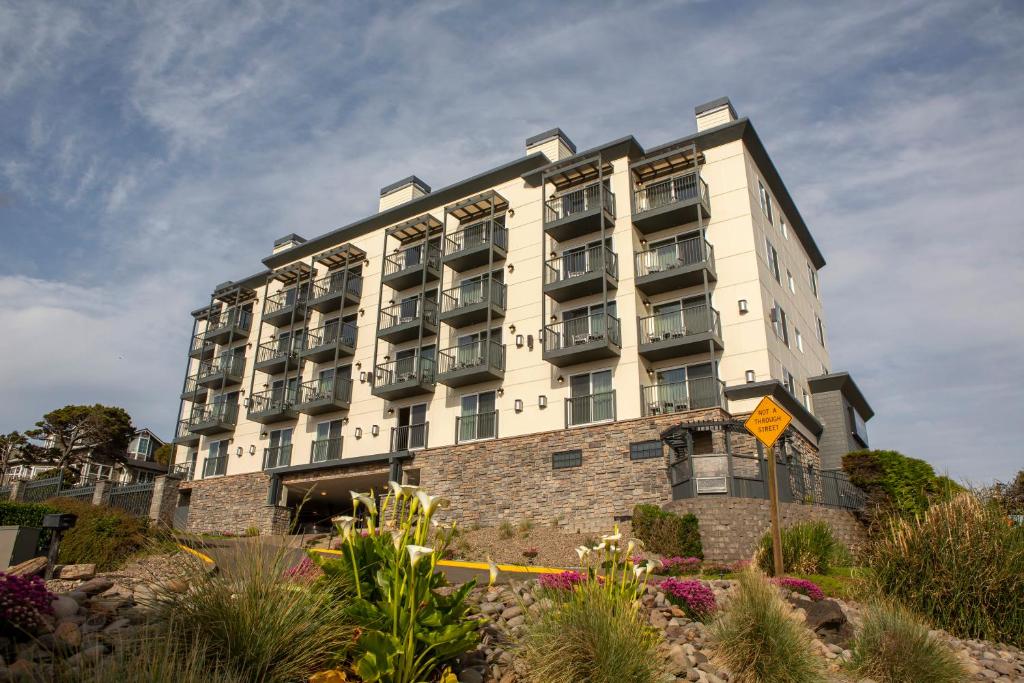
[479, 417]
[279, 454]
[812, 277]
[327, 445]
[412, 427]
[772, 255]
[683, 388]
[781, 324]
[766, 201]
[217, 459]
[591, 398]
[646, 450]
[819, 329]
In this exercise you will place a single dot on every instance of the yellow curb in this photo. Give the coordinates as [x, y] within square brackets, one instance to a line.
[483, 566]
[201, 556]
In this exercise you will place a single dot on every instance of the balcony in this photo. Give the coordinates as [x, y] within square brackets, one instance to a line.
[193, 391]
[675, 397]
[184, 436]
[409, 437]
[328, 342]
[186, 471]
[472, 363]
[272, 357]
[582, 339]
[578, 212]
[273, 405]
[201, 349]
[470, 302]
[404, 269]
[401, 322]
[675, 266]
[231, 326]
[335, 291]
[670, 201]
[214, 419]
[325, 450]
[591, 408]
[476, 245]
[680, 333]
[277, 456]
[320, 396]
[581, 273]
[225, 371]
[285, 307]
[216, 466]
[476, 427]
[404, 377]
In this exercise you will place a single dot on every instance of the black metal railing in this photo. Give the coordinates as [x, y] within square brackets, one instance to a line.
[272, 400]
[228, 363]
[598, 407]
[286, 297]
[680, 188]
[582, 331]
[473, 355]
[476, 235]
[323, 450]
[579, 263]
[276, 349]
[185, 470]
[277, 456]
[192, 384]
[578, 201]
[315, 390]
[689, 320]
[329, 334]
[182, 431]
[408, 437]
[407, 311]
[216, 412]
[234, 317]
[412, 257]
[476, 427]
[38, 490]
[471, 293]
[132, 498]
[422, 370]
[687, 252]
[215, 466]
[199, 342]
[337, 282]
[674, 397]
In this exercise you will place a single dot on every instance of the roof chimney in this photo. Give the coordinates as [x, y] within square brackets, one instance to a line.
[555, 144]
[403, 191]
[287, 242]
[714, 113]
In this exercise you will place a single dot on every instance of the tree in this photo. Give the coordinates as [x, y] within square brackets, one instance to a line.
[70, 436]
[164, 454]
[1013, 495]
[11, 446]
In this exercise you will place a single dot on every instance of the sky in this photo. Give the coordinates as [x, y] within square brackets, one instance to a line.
[149, 151]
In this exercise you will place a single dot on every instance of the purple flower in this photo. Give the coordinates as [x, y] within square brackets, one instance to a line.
[305, 571]
[808, 588]
[692, 596]
[562, 581]
[23, 602]
[679, 566]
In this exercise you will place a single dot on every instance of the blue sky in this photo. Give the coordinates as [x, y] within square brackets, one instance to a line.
[147, 151]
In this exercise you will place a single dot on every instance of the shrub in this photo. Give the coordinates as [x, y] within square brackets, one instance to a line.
[759, 639]
[680, 566]
[24, 602]
[252, 531]
[692, 596]
[807, 548]
[593, 635]
[506, 530]
[667, 533]
[525, 527]
[23, 514]
[896, 483]
[959, 564]
[259, 627]
[802, 586]
[102, 535]
[893, 646]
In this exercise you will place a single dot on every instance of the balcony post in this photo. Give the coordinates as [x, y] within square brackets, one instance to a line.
[101, 494]
[164, 499]
[17, 491]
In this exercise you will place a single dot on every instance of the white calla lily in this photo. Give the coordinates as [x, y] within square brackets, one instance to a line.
[410, 490]
[629, 548]
[396, 488]
[639, 570]
[582, 551]
[416, 552]
[428, 502]
[360, 498]
[492, 570]
[345, 524]
[397, 538]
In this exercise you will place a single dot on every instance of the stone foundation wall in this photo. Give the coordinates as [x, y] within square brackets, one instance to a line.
[232, 505]
[731, 528]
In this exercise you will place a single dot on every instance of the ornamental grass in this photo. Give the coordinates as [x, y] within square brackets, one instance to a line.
[894, 646]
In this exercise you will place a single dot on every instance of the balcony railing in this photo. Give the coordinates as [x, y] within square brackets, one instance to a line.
[185, 470]
[192, 389]
[200, 347]
[404, 370]
[409, 437]
[272, 400]
[277, 456]
[335, 285]
[677, 189]
[183, 433]
[476, 427]
[235, 322]
[578, 202]
[330, 335]
[400, 322]
[323, 450]
[674, 397]
[479, 354]
[686, 322]
[598, 407]
[685, 253]
[464, 248]
[324, 395]
[584, 331]
[276, 352]
[404, 268]
[215, 467]
[579, 264]
[469, 302]
[228, 365]
[285, 298]
[220, 412]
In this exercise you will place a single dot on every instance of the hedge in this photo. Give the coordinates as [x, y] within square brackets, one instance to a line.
[102, 535]
[897, 483]
[667, 533]
[23, 514]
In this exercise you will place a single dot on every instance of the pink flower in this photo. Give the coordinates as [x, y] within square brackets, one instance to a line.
[562, 581]
[808, 588]
[692, 596]
[23, 602]
[305, 571]
[678, 566]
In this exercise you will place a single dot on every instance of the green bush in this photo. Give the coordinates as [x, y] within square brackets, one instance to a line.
[760, 641]
[667, 533]
[960, 565]
[593, 635]
[807, 548]
[102, 535]
[893, 646]
[23, 514]
[897, 483]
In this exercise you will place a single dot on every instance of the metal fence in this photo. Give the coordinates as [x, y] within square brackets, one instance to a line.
[5, 491]
[41, 489]
[132, 498]
[79, 493]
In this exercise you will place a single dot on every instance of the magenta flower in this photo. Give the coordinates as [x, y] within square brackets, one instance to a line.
[563, 581]
[23, 602]
[305, 571]
[680, 566]
[808, 588]
[692, 596]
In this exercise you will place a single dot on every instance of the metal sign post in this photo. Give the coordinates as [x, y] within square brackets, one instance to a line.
[767, 423]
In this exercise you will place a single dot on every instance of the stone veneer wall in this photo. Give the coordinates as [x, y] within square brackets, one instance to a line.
[512, 479]
[731, 528]
[232, 504]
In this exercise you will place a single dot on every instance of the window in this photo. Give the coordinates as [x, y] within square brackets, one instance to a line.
[412, 428]
[564, 459]
[799, 340]
[646, 450]
[812, 277]
[781, 324]
[217, 462]
[820, 330]
[773, 260]
[789, 281]
[479, 417]
[279, 454]
[784, 228]
[807, 400]
[789, 381]
[591, 398]
[858, 427]
[766, 201]
[327, 445]
[682, 388]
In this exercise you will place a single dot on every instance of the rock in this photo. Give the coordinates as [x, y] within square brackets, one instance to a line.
[77, 596]
[95, 585]
[511, 612]
[658, 620]
[516, 621]
[470, 676]
[827, 619]
[117, 625]
[174, 586]
[64, 607]
[145, 595]
[33, 567]
[68, 633]
[21, 668]
[77, 572]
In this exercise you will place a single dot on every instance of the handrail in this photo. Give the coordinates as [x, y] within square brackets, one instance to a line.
[226, 362]
[674, 189]
[407, 437]
[239, 317]
[277, 456]
[412, 257]
[286, 297]
[472, 293]
[691, 394]
[274, 348]
[405, 369]
[577, 201]
[331, 333]
[596, 407]
[322, 450]
[689, 320]
[332, 283]
[473, 355]
[336, 388]
[407, 311]
[687, 252]
[475, 235]
[476, 426]
[215, 412]
[581, 331]
[579, 263]
[272, 399]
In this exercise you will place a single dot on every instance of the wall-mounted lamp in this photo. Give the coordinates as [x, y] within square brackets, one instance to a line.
[358, 433]
[542, 401]
[511, 212]
[374, 430]
[743, 305]
[561, 380]
[529, 341]
[366, 262]
[263, 435]
[391, 301]
[362, 311]
[359, 364]
[750, 376]
[501, 391]
[344, 420]
[520, 340]
[362, 377]
[238, 451]
[647, 304]
[391, 411]
[518, 405]
[252, 449]
[554, 318]
[512, 329]
[511, 268]
[553, 254]
[323, 493]
[643, 243]
[650, 372]
[387, 358]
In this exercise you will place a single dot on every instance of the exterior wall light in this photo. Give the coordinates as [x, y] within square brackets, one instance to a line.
[501, 391]
[542, 401]
[391, 411]
[529, 341]
[743, 306]
[511, 268]
[375, 430]
[362, 376]
[252, 449]
[561, 380]
[512, 329]
[238, 451]
[750, 376]
[520, 340]
[518, 405]
[358, 433]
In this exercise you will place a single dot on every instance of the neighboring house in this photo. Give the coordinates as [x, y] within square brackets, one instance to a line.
[519, 341]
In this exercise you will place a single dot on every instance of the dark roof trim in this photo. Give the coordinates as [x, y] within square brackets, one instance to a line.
[411, 180]
[626, 146]
[291, 237]
[776, 390]
[842, 381]
[344, 462]
[715, 104]
[414, 207]
[548, 134]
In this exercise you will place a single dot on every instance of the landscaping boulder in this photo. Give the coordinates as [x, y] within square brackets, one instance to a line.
[827, 619]
[77, 572]
[34, 567]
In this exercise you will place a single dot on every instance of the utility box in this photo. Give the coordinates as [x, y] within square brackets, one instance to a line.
[17, 544]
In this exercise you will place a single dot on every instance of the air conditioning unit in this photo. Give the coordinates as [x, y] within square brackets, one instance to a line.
[711, 485]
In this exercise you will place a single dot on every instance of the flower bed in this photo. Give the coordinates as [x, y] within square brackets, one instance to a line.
[803, 586]
[563, 581]
[680, 566]
[692, 596]
[23, 603]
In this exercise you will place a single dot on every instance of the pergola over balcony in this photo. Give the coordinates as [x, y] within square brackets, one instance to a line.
[669, 189]
[580, 199]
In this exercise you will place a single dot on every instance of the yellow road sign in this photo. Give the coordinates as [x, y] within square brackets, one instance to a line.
[768, 421]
